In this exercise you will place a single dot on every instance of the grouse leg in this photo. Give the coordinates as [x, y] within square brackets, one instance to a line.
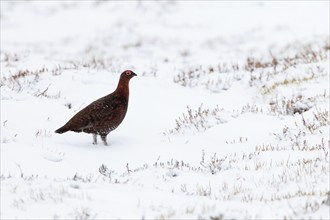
[104, 139]
[94, 139]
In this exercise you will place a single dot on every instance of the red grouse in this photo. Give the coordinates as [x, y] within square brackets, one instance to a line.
[103, 115]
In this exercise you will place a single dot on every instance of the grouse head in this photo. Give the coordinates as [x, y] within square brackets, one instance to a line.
[127, 74]
[124, 80]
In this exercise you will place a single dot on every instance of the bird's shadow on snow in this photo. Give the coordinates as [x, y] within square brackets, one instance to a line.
[79, 141]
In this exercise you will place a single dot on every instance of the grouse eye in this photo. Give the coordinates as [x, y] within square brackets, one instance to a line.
[128, 73]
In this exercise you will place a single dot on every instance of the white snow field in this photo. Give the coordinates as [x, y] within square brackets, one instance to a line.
[228, 118]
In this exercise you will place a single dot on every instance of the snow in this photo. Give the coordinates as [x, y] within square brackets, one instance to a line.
[255, 144]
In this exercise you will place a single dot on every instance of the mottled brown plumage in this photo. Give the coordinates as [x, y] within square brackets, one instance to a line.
[103, 115]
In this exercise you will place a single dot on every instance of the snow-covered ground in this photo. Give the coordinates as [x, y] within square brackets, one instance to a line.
[228, 118]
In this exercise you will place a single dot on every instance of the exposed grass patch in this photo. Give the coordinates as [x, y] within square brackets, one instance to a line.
[306, 76]
[221, 77]
[214, 78]
[198, 120]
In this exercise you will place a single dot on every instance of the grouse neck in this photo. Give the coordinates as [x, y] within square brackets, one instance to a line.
[123, 87]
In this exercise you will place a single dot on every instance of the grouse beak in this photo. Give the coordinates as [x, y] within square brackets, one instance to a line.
[134, 74]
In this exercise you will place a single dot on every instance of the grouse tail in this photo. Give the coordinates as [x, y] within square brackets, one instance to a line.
[61, 130]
